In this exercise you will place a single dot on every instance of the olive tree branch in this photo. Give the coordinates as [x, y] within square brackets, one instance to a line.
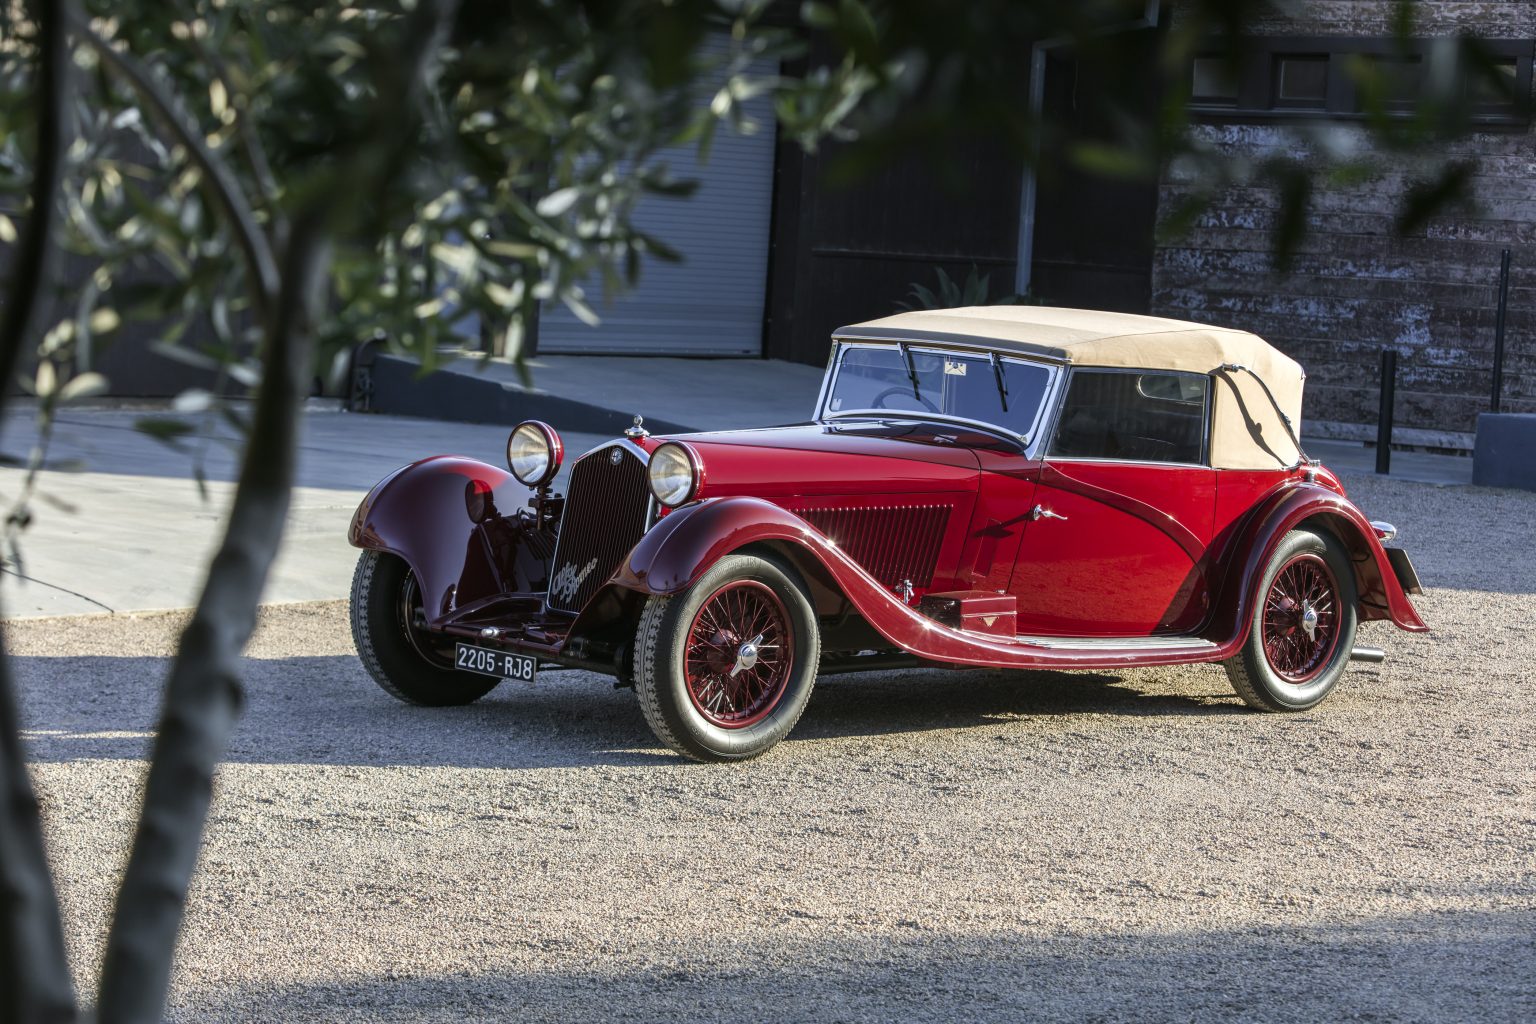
[35, 983]
[204, 694]
[250, 142]
[216, 175]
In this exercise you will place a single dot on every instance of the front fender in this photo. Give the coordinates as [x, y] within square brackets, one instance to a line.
[677, 551]
[447, 516]
[1380, 595]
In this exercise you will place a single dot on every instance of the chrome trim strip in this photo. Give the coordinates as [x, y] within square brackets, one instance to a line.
[1205, 419]
[1110, 643]
[623, 442]
[1071, 459]
[826, 380]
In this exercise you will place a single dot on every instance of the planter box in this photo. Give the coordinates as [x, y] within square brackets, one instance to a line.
[1505, 455]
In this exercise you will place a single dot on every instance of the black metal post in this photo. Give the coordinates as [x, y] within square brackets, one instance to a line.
[1384, 417]
[1498, 331]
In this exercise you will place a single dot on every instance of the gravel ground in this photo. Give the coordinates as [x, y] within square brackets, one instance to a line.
[927, 846]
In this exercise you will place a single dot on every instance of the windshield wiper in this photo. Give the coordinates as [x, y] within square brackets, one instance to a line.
[906, 357]
[1002, 388]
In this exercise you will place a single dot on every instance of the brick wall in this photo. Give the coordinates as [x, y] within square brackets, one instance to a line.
[1355, 287]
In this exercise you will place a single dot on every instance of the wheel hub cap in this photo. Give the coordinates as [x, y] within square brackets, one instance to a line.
[746, 655]
[1309, 620]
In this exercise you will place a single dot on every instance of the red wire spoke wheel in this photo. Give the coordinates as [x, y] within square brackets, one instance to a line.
[723, 670]
[1301, 619]
[1301, 625]
[739, 652]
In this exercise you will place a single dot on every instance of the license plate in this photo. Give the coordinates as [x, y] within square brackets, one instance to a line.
[490, 662]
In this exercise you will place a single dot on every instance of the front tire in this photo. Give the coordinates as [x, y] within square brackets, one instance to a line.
[724, 670]
[407, 662]
[1302, 629]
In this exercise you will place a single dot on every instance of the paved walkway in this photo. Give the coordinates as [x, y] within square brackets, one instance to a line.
[137, 534]
[705, 394]
[130, 531]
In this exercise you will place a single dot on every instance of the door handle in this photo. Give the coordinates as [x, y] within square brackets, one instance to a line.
[1041, 512]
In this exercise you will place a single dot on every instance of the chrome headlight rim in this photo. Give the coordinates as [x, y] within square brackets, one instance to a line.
[675, 496]
[554, 453]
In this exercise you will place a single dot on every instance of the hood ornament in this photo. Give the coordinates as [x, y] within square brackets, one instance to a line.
[637, 430]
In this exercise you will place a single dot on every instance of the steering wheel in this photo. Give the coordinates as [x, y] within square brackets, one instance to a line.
[878, 402]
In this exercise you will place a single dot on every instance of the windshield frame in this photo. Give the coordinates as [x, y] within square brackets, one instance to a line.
[1032, 441]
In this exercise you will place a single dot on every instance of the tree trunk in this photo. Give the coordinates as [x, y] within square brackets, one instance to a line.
[203, 695]
[35, 983]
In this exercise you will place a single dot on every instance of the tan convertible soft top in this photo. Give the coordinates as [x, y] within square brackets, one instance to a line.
[1246, 431]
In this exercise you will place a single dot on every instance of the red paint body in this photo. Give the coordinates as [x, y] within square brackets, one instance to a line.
[423, 513]
[862, 509]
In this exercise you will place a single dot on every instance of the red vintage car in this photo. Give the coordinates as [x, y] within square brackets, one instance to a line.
[1007, 487]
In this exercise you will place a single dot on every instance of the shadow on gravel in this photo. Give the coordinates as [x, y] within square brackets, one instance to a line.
[1461, 966]
[325, 710]
[914, 700]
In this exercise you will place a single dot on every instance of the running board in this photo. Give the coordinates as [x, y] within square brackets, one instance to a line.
[1108, 644]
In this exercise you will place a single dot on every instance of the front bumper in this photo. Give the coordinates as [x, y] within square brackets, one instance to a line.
[523, 623]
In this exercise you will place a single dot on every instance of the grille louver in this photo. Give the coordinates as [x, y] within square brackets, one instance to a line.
[605, 516]
[892, 543]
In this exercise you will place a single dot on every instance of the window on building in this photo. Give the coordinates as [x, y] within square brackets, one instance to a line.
[1496, 85]
[1401, 78]
[1386, 83]
[1301, 80]
[1212, 82]
[1340, 77]
[1134, 415]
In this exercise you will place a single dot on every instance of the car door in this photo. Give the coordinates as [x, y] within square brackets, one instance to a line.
[1123, 510]
[1005, 493]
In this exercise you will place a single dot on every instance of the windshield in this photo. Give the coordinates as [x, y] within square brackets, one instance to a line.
[1003, 392]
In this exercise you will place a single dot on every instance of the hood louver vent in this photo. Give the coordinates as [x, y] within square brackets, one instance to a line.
[892, 543]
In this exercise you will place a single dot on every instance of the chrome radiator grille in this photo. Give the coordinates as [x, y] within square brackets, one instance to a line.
[605, 516]
[892, 543]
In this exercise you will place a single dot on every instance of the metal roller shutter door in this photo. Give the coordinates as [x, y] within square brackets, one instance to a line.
[712, 302]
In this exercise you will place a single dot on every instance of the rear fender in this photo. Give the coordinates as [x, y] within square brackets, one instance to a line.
[454, 521]
[1310, 506]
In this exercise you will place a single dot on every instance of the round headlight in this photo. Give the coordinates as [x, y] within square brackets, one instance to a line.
[533, 453]
[674, 474]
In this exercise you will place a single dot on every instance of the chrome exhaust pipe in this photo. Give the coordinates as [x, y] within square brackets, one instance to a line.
[1374, 655]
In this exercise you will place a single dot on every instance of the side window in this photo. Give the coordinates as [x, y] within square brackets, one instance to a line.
[1145, 416]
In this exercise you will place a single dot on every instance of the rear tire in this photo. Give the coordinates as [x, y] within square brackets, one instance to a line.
[705, 689]
[1282, 666]
[407, 662]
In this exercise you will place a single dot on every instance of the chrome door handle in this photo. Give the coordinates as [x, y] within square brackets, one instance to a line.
[1041, 512]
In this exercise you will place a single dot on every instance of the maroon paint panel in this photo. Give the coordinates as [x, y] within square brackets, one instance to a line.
[940, 445]
[683, 545]
[896, 498]
[1128, 559]
[812, 461]
[443, 516]
[1300, 503]
[1004, 497]
[692, 538]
